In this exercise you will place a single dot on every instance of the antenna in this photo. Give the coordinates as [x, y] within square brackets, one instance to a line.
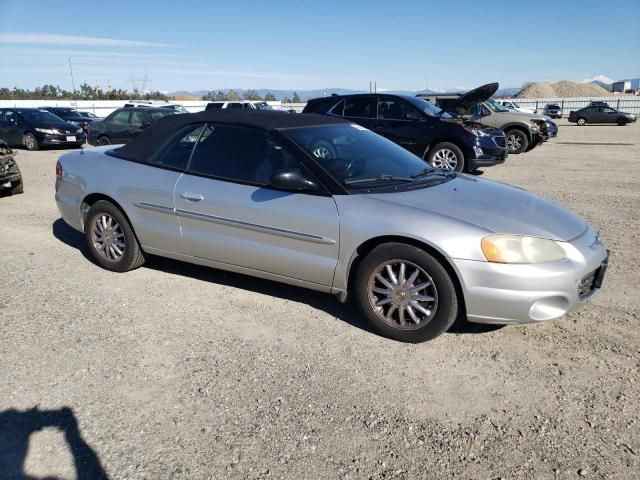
[73, 84]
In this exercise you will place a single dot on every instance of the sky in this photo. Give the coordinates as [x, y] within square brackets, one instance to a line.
[300, 44]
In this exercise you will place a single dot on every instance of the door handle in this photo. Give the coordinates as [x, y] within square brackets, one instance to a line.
[192, 197]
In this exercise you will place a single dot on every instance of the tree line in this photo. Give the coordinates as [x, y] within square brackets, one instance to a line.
[85, 92]
[231, 95]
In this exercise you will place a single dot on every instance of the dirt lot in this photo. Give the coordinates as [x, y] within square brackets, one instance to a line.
[178, 371]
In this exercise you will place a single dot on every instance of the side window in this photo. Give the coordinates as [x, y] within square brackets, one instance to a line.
[608, 110]
[393, 108]
[235, 105]
[138, 118]
[176, 151]
[338, 109]
[362, 107]
[10, 118]
[239, 154]
[120, 118]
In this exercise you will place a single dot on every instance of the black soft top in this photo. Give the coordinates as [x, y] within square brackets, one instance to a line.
[144, 146]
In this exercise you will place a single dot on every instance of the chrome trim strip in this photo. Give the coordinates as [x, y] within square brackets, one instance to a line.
[154, 207]
[307, 237]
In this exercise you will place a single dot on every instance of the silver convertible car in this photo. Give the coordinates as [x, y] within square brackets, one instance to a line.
[252, 192]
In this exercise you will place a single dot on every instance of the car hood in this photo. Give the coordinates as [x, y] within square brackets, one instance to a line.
[473, 97]
[57, 125]
[494, 206]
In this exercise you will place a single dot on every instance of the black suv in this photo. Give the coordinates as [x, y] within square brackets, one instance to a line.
[70, 115]
[125, 124]
[33, 128]
[418, 126]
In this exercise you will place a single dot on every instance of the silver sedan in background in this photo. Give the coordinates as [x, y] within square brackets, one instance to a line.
[252, 192]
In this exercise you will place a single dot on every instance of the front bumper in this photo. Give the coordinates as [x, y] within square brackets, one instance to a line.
[507, 294]
[488, 153]
[50, 140]
[551, 130]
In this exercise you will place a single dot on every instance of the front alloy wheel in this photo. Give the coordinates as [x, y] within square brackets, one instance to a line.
[405, 293]
[402, 294]
[445, 159]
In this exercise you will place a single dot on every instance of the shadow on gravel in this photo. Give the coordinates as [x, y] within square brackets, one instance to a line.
[322, 301]
[17, 426]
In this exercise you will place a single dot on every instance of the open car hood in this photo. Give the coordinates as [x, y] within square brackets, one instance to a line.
[473, 97]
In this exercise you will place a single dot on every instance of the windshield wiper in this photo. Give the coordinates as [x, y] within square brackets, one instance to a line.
[433, 171]
[379, 178]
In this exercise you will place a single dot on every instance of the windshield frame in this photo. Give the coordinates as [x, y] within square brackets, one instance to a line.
[338, 186]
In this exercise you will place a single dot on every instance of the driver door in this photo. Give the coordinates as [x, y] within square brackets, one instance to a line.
[393, 123]
[230, 214]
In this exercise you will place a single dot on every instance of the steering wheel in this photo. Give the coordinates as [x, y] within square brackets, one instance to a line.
[356, 162]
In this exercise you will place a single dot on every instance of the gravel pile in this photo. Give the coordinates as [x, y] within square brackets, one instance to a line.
[563, 88]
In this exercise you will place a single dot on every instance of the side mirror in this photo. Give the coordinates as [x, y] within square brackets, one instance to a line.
[291, 180]
[414, 116]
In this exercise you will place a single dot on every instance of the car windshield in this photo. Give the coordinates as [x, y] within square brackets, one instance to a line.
[495, 106]
[39, 116]
[361, 159]
[180, 109]
[263, 106]
[428, 107]
[553, 105]
[73, 113]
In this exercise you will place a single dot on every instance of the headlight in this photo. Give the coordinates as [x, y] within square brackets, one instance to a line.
[50, 131]
[477, 132]
[79, 130]
[534, 127]
[518, 249]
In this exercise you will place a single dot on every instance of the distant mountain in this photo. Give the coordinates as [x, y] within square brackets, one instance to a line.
[599, 79]
[304, 94]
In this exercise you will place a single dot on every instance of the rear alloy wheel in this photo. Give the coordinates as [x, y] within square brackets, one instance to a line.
[104, 140]
[446, 156]
[29, 141]
[405, 293]
[622, 122]
[111, 239]
[582, 121]
[517, 141]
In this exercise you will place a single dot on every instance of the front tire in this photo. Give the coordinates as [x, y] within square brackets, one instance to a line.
[622, 122]
[582, 121]
[104, 140]
[405, 293]
[446, 156]
[111, 239]
[517, 141]
[29, 141]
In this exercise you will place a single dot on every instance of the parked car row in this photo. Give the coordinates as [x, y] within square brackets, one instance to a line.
[321, 202]
[523, 131]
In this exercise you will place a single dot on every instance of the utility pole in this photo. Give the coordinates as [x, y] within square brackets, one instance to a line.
[73, 84]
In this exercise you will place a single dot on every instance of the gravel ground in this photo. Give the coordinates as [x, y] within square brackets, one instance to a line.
[177, 371]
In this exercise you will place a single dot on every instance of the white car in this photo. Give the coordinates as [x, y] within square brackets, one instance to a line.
[514, 106]
[251, 104]
[156, 104]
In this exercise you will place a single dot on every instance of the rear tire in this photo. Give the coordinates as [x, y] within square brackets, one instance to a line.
[582, 121]
[18, 189]
[29, 141]
[111, 239]
[447, 156]
[517, 141]
[104, 140]
[394, 311]
[622, 122]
